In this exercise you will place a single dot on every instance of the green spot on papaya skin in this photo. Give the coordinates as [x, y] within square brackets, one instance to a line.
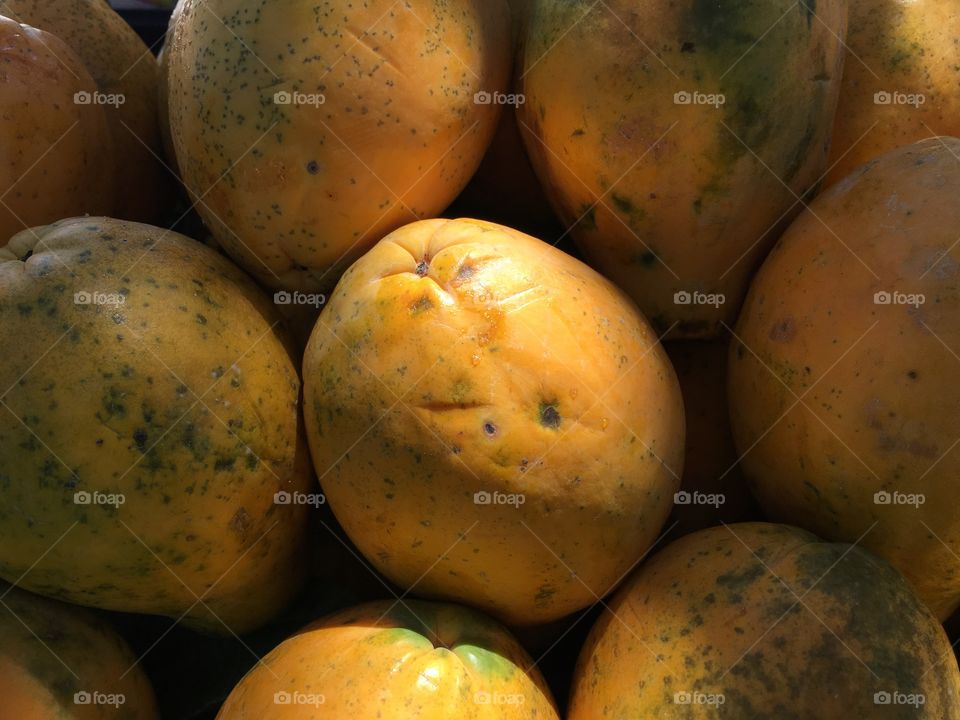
[549, 415]
[587, 218]
[421, 305]
[490, 664]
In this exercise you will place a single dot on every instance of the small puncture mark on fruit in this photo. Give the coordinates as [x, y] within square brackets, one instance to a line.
[422, 268]
[313, 167]
[490, 429]
[912, 375]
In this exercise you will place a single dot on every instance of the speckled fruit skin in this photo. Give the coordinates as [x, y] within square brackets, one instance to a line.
[710, 465]
[182, 398]
[665, 197]
[307, 188]
[49, 651]
[120, 63]
[779, 623]
[55, 155]
[880, 408]
[397, 661]
[907, 47]
[461, 357]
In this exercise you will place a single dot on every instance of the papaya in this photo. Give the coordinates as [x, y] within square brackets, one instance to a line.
[55, 154]
[306, 131]
[713, 489]
[395, 660]
[59, 662]
[841, 383]
[675, 140]
[900, 80]
[123, 68]
[756, 621]
[492, 422]
[163, 103]
[150, 421]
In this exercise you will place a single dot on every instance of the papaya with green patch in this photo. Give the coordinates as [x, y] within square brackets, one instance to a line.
[675, 140]
[126, 76]
[901, 80]
[394, 660]
[843, 398]
[59, 662]
[307, 130]
[755, 621]
[492, 422]
[149, 418]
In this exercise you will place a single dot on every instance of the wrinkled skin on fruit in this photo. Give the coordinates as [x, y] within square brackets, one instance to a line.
[396, 661]
[491, 421]
[50, 652]
[312, 128]
[901, 50]
[843, 383]
[120, 64]
[149, 417]
[756, 621]
[667, 187]
[55, 155]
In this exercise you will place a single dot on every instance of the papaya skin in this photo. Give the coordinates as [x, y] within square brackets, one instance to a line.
[294, 193]
[428, 661]
[49, 651]
[710, 465]
[182, 397]
[666, 198]
[120, 63]
[834, 396]
[893, 46]
[774, 621]
[461, 357]
[56, 156]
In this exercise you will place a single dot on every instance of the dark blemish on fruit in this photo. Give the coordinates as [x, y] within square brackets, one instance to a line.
[240, 523]
[313, 167]
[201, 320]
[99, 441]
[648, 259]
[549, 415]
[421, 305]
[912, 375]
[466, 271]
[140, 439]
[455, 450]
[688, 47]
[490, 429]
[783, 331]
[422, 268]
[27, 256]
